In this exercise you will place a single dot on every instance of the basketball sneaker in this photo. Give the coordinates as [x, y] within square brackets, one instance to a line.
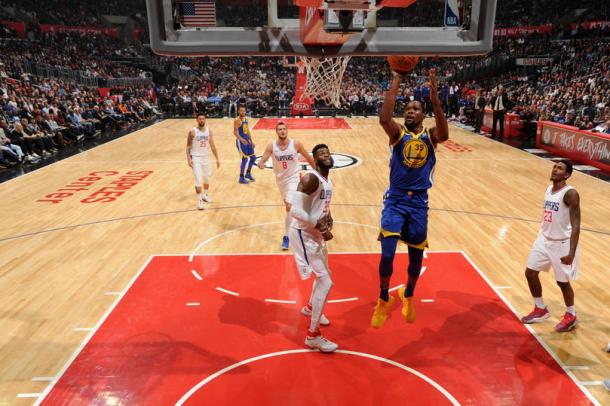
[537, 315]
[207, 198]
[380, 314]
[243, 180]
[317, 342]
[306, 311]
[200, 205]
[567, 323]
[408, 309]
[285, 243]
[249, 177]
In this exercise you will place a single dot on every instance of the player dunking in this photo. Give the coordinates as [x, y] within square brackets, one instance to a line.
[311, 209]
[198, 145]
[405, 206]
[556, 246]
[245, 145]
[286, 165]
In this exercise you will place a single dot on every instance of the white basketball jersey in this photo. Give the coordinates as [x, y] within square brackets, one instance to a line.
[556, 215]
[286, 163]
[200, 147]
[317, 204]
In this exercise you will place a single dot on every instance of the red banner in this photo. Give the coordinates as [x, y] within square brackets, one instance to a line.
[19, 27]
[523, 31]
[111, 32]
[137, 34]
[301, 105]
[570, 142]
[513, 125]
[589, 25]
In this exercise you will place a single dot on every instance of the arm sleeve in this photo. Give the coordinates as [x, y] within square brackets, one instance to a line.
[297, 211]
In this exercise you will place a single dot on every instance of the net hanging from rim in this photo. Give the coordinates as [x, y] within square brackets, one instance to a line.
[324, 76]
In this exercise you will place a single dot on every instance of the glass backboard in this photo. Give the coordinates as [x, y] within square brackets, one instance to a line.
[275, 27]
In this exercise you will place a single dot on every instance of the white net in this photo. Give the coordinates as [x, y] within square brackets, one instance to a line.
[324, 76]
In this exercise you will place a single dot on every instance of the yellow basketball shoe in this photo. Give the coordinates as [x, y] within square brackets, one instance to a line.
[408, 309]
[380, 315]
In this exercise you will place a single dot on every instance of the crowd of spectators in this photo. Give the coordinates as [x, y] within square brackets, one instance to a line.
[572, 87]
[514, 13]
[84, 52]
[40, 116]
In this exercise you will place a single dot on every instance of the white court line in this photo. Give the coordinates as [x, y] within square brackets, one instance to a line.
[420, 375]
[396, 288]
[113, 293]
[224, 254]
[83, 329]
[43, 379]
[196, 275]
[503, 287]
[281, 301]
[193, 304]
[91, 333]
[349, 299]
[577, 367]
[29, 395]
[201, 244]
[427, 300]
[227, 291]
[592, 383]
[229, 232]
[533, 332]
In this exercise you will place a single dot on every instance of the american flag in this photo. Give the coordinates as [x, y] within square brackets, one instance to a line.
[198, 13]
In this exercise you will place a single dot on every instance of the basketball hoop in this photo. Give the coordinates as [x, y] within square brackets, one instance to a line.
[324, 76]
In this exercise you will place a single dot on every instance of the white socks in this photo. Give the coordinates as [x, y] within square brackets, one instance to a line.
[319, 294]
[539, 302]
[199, 196]
[287, 223]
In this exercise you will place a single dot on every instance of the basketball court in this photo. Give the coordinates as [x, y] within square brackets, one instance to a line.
[118, 291]
[146, 300]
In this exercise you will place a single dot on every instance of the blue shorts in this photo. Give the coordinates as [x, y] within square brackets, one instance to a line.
[245, 150]
[405, 215]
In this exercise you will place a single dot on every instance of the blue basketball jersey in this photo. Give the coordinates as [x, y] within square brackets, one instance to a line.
[412, 162]
[244, 130]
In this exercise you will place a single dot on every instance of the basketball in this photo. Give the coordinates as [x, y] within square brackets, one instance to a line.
[402, 63]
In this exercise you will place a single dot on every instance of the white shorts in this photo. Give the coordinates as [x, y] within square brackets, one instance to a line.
[310, 253]
[286, 187]
[202, 171]
[546, 253]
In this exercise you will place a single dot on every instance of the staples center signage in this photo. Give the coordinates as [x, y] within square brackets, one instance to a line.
[585, 146]
[97, 187]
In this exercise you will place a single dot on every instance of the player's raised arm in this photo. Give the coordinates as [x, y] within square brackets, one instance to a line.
[301, 150]
[266, 155]
[440, 133]
[189, 144]
[236, 125]
[213, 148]
[391, 127]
